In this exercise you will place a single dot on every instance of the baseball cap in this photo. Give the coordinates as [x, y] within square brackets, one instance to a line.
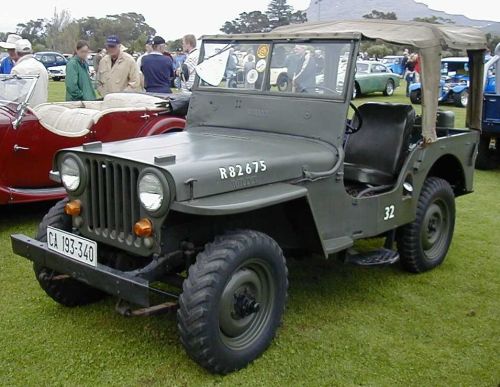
[23, 45]
[112, 41]
[158, 40]
[149, 41]
[10, 42]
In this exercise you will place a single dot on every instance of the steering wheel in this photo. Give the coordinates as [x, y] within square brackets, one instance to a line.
[350, 128]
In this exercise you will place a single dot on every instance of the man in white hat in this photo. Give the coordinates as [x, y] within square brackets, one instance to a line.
[8, 62]
[28, 65]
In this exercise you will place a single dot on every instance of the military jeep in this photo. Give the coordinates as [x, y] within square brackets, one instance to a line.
[198, 220]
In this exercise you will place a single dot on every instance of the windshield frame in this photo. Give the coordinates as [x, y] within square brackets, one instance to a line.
[7, 77]
[342, 97]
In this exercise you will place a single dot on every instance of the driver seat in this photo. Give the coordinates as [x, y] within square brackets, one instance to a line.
[376, 153]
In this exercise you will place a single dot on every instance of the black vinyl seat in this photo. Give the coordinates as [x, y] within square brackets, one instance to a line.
[375, 154]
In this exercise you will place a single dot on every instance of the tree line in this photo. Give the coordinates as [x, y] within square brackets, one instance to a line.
[61, 31]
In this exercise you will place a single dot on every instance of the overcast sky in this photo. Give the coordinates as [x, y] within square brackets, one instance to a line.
[196, 16]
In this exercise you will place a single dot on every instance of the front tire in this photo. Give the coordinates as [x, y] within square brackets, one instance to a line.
[283, 82]
[416, 97]
[356, 91]
[461, 99]
[233, 301]
[66, 291]
[389, 88]
[424, 243]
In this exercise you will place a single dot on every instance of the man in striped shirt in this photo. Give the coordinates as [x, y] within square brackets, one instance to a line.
[189, 47]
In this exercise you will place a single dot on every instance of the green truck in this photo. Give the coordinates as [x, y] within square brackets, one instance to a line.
[201, 221]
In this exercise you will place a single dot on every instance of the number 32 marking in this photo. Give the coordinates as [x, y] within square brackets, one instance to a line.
[389, 212]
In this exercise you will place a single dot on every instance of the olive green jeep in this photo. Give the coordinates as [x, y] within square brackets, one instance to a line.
[198, 220]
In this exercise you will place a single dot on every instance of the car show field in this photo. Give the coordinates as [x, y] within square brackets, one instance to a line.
[347, 326]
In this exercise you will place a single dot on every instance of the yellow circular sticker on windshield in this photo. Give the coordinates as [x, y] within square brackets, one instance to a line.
[262, 51]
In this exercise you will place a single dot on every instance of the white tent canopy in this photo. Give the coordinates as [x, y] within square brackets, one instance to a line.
[416, 34]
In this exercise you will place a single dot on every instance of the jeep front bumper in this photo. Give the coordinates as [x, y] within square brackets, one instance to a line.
[128, 286]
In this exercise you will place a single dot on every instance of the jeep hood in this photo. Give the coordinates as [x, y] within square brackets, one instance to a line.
[218, 160]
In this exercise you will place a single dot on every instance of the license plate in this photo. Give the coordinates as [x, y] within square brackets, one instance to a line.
[72, 246]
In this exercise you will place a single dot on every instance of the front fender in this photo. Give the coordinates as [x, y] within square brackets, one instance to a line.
[163, 125]
[415, 86]
[242, 200]
[459, 88]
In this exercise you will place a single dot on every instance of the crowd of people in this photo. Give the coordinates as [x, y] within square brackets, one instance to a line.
[156, 71]
[411, 66]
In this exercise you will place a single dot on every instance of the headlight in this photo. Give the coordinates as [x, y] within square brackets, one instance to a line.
[151, 192]
[70, 174]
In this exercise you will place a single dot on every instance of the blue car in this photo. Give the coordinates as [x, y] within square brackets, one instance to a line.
[54, 62]
[489, 144]
[454, 85]
[394, 63]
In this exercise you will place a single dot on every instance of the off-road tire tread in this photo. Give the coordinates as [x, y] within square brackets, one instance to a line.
[68, 292]
[199, 287]
[408, 236]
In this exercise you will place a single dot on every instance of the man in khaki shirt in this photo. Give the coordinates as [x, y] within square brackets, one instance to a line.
[117, 70]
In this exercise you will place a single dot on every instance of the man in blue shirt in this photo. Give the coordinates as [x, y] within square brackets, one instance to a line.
[158, 69]
[8, 62]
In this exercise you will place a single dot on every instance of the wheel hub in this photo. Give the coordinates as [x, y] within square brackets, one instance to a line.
[244, 305]
[435, 229]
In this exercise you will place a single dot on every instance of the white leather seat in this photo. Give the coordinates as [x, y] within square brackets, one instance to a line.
[131, 100]
[74, 119]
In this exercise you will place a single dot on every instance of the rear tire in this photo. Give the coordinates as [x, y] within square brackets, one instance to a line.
[485, 158]
[461, 99]
[282, 83]
[424, 243]
[416, 97]
[233, 301]
[67, 291]
[389, 88]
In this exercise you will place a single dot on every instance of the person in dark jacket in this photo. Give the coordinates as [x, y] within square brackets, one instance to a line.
[158, 69]
[78, 83]
[304, 79]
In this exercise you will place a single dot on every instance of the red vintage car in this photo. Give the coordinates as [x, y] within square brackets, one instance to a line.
[30, 136]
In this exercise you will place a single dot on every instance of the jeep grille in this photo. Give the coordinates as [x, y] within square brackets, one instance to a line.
[113, 206]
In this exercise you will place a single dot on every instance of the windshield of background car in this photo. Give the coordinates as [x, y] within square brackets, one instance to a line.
[362, 68]
[390, 60]
[14, 89]
[454, 68]
[316, 68]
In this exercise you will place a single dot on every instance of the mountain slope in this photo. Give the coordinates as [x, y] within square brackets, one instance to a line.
[404, 9]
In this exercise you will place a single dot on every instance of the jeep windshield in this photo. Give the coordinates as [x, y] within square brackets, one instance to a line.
[312, 68]
[14, 89]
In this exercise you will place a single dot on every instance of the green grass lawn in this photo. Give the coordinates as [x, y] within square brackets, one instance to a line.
[57, 91]
[344, 325]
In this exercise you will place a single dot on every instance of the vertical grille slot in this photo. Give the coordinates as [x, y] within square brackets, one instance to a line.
[113, 205]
